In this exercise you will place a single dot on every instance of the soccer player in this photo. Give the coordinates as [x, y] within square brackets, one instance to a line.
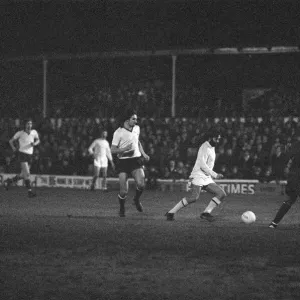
[202, 178]
[26, 139]
[100, 149]
[129, 150]
[292, 188]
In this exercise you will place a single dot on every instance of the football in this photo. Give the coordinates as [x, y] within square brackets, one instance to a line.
[248, 217]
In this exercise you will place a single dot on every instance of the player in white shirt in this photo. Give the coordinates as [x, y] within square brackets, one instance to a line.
[130, 154]
[26, 139]
[202, 178]
[100, 149]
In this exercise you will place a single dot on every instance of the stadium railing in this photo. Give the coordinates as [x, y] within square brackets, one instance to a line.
[231, 186]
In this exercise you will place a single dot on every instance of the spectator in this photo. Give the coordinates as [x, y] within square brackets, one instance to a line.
[262, 156]
[235, 173]
[257, 173]
[10, 165]
[170, 171]
[182, 172]
[267, 176]
[224, 170]
[230, 159]
[245, 165]
[152, 176]
[220, 159]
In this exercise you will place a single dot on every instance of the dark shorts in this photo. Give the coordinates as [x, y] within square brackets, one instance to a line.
[127, 165]
[293, 184]
[24, 157]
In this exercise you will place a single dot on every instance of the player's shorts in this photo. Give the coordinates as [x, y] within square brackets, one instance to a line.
[24, 157]
[200, 181]
[196, 190]
[101, 162]
[127, 165]
[293, 184]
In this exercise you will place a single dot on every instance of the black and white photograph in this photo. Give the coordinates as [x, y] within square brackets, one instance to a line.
[149, 149]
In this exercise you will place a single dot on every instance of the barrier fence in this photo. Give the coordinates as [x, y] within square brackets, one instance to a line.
[242, 187]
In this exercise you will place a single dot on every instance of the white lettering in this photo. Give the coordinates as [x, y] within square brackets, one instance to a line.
[235, 189]
[251, 189]
[244, 189]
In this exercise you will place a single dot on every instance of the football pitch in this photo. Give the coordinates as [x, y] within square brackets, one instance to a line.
[71, 244]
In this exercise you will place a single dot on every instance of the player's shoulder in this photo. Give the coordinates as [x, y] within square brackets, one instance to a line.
[204, 145]
[34, 132]
[118, 130]
[104, 142]
[136, 128]
[19, 133]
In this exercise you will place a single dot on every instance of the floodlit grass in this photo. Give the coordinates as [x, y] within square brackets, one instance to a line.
[70, 244]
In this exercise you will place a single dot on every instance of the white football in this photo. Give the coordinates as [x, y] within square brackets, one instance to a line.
[248, 217]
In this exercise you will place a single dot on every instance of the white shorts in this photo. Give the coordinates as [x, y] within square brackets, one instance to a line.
[101, 162]
[200, 181]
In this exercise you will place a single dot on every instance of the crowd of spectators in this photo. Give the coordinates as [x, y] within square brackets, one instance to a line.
[251, 148]
[154, 99]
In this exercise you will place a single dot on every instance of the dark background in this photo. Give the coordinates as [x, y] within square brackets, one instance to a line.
[32, 27]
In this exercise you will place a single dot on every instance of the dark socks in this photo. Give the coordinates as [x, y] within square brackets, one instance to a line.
[122, 205]
[94, 180]
[138, 194]
[28, 185]
[16, 178]
[122, 201]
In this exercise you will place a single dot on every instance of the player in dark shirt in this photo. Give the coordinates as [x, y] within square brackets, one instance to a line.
[292, 188]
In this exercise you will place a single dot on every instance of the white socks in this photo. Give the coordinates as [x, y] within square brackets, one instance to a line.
[212, 205]
[182, 203]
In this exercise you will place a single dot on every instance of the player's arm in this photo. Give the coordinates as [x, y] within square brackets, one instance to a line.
[13, 140]
[109, 156]
[91, 148]
[36, 140]
[115, 149]
[202, 156]
[143, 152]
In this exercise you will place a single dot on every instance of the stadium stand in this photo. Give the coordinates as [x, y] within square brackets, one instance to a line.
[247, 150]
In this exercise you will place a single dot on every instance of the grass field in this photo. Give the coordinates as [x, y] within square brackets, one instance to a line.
[70, 244]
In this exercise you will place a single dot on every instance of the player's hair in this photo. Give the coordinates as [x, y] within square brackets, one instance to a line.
[127, 115]
[212, 132]
[25, 121]
[101, 131]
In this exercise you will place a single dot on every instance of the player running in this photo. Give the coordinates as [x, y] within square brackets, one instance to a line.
[129, 150]
[26, 139]
[292, 188]
[202, 177]
[100, 149]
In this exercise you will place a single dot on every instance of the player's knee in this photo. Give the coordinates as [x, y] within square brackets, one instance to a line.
[292, 199]
[221, 194]
[191, 200]
[123, 194]
[140, 186]
[25, 175]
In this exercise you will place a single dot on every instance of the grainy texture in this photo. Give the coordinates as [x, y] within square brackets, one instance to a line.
[70, 244]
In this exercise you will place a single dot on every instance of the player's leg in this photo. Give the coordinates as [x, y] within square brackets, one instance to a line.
[219, 195]
[9, 181]
[193, 197]
[139, 177]
[95, 176]
[292, 191]
[104, 178]
[26, 175]
[123, 181]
